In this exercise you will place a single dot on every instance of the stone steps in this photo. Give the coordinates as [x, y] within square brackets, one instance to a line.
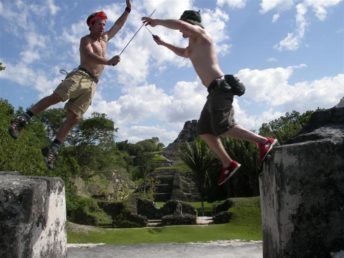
[153, 222]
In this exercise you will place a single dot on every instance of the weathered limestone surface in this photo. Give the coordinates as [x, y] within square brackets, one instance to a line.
[32, 217]
[302, 192]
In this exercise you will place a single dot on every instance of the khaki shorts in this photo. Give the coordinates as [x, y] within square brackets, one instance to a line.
[78, 88]
[217, 116]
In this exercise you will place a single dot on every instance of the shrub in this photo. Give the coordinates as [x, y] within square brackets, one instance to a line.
[224, 206]
[86, 211]
[177, 219]
[128, 220]
[222, 217]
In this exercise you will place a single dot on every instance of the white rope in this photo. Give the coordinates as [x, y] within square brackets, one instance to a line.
[135, 34]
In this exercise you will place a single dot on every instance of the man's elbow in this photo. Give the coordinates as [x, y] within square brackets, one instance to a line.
[185, 53]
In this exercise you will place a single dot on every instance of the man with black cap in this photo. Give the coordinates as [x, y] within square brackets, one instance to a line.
[216, 118]
[79, 86]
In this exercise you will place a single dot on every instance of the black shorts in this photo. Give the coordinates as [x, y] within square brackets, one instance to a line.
[217, 116]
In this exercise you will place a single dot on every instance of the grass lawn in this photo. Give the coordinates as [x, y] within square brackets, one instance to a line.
[245, 225]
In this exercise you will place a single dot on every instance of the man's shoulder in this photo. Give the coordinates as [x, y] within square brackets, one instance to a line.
[84, 40]
[86, 37]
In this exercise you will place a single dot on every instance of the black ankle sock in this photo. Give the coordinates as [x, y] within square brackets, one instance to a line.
[57, 142]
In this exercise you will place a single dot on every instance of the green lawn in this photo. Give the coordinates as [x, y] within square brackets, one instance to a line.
[245, 225]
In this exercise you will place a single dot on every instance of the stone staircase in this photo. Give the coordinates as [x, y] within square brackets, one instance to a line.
[174, 185]
[163, 189]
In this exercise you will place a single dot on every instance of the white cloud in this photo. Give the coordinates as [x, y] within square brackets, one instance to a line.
[215, 23]
[37, 80]
[133, 68]
[320, 7]
[45, 8]
[268, 5]
[253, 122]
[272, 59]
[150, 102]
[166, 112]
[272, 87]
[187, 101]
[29, 56]
[232, 3]
[52, 7]
[294, 39]
[275, 18]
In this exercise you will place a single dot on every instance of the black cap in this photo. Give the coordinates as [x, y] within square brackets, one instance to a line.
[192, 17]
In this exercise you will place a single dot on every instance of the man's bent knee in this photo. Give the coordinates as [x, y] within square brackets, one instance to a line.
[72, 118]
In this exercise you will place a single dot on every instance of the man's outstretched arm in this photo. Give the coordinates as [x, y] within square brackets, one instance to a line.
[180, 25]
[183, 52]
[120, 22]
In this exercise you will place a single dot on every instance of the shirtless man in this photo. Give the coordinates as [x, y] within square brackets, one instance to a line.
[216, 118]
[79, 86]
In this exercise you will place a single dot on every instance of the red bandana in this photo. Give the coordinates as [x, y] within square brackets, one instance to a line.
[94, 16]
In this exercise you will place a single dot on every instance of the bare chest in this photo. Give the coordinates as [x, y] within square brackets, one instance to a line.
[99, 47]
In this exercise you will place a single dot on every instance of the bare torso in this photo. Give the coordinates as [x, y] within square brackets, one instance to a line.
[99, 47]
[203, 56]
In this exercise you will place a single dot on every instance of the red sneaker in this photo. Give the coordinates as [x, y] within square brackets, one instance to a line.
[265, 148]
[228, 172]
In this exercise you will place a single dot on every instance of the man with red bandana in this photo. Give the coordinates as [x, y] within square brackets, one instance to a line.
[79, 86]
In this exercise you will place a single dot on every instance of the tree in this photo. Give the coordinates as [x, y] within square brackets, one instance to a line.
[52, 119]
[97, 130]
[150, 145]
[286, 127]
[197, 156]
[23, 154]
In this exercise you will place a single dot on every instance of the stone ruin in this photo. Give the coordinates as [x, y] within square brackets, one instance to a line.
[32, 217]
[302, 192]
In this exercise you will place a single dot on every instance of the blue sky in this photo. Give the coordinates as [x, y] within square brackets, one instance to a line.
[289, 54]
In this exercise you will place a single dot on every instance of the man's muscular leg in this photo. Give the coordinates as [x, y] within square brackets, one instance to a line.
[241, 133]
[50, 152]
[215, 144]
[44, 103]
[71, 120]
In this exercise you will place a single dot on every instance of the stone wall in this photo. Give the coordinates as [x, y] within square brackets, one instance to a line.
[32, 217]
[302, 192]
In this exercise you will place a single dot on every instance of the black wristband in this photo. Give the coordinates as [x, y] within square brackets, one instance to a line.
[127, 9]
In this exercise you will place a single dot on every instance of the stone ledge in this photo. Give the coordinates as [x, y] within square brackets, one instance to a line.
[302, 200]
[33, 215]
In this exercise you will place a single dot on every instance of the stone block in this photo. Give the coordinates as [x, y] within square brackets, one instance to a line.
[32, 217]
[302, 200]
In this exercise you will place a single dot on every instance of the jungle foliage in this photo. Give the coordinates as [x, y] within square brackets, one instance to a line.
[91, 152]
